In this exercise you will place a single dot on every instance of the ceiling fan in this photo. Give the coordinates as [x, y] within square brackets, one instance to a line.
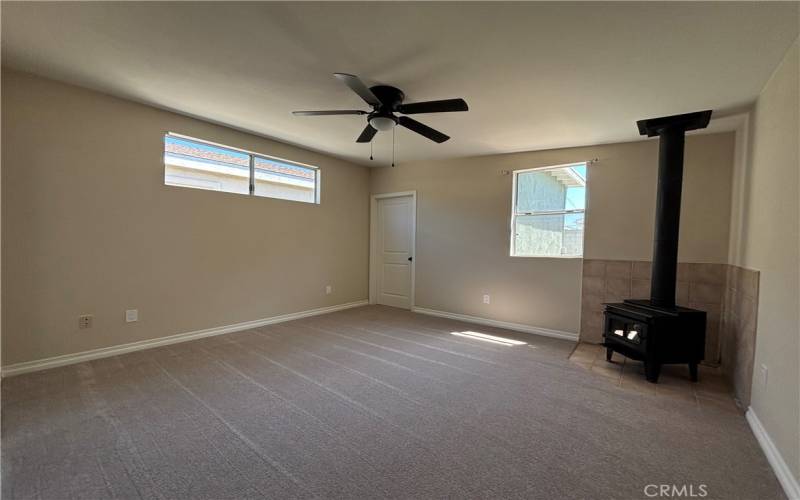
[386, 101]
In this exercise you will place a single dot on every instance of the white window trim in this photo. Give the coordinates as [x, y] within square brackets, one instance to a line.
[515, 214]
[253, 174]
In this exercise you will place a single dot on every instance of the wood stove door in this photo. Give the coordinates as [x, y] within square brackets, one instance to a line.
[626, 331]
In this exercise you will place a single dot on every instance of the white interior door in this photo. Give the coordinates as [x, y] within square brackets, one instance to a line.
[395, 251]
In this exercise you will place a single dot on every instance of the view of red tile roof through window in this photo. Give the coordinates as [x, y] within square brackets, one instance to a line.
[220, 155]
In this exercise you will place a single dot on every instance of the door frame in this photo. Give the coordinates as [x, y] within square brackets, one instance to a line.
[373, 244]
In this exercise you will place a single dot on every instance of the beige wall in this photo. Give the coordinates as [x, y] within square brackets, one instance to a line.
[622, 190]
[768, 242]
[88, 227]
[464, 210]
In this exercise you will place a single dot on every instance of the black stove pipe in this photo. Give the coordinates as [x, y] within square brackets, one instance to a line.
[671, 131]
[668, 218]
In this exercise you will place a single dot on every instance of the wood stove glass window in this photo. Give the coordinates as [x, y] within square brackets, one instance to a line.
[549, 206]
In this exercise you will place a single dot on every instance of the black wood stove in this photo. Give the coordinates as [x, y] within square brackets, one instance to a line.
[655, 330]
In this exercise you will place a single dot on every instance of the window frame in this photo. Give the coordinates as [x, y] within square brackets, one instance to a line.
[515, 213]
[252, 155]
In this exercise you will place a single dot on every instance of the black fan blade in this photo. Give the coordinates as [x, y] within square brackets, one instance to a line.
[422, 129]
[367, 134]
[444, 106]
[357, 86]
[331, 112]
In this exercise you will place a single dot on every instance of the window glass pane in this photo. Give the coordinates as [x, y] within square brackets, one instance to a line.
[553, 189]
[548, 235]
[576, 198]
[576, 193]
[198, 165]
[276, 179]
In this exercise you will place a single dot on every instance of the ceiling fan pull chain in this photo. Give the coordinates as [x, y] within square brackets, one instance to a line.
[393, 129]
[370, 150]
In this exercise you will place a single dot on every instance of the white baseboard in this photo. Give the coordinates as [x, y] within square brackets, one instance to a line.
[782, 471]
[79, 357]
[546, 332]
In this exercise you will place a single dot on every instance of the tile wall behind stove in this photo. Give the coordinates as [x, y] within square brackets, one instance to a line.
[729, 295]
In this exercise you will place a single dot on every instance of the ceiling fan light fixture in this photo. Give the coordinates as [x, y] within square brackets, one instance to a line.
[382, 123]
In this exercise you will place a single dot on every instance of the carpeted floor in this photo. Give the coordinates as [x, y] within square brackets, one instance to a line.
[371, 402]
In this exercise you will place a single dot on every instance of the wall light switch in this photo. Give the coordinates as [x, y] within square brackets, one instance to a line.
[764, 374]
[487, 299]
[328, 289]
[85, 321]
[131, 315]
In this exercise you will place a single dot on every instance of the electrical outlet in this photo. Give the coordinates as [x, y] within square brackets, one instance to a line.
[764, 374]
[487, 299]
[131, 315]
[328, 289]
[85, 321]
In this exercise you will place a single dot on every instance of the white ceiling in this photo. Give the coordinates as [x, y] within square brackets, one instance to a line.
[535, 75]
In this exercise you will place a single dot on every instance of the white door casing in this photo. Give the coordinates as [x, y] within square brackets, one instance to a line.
[392, 244]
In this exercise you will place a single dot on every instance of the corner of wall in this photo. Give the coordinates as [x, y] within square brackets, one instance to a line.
[765, 239]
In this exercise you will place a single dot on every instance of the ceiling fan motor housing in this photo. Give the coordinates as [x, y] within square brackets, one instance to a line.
[390, 97]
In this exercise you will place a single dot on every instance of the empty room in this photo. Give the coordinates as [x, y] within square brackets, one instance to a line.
[417, 250]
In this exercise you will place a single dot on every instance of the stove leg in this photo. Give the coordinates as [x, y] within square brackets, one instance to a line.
[652, 371]
[693, 371]
[609, 352]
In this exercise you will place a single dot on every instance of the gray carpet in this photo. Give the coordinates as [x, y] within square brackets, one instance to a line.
[365, 403]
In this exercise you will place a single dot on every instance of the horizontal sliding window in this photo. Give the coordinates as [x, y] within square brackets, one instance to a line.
[548, 211]
[277, 179]
[202, 165]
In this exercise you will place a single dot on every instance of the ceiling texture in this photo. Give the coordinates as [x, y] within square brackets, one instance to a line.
[535, 75]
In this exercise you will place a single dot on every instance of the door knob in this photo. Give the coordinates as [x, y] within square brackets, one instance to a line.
[410, 259]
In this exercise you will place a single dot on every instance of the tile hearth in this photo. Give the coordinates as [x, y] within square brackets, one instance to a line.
[712, 390]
